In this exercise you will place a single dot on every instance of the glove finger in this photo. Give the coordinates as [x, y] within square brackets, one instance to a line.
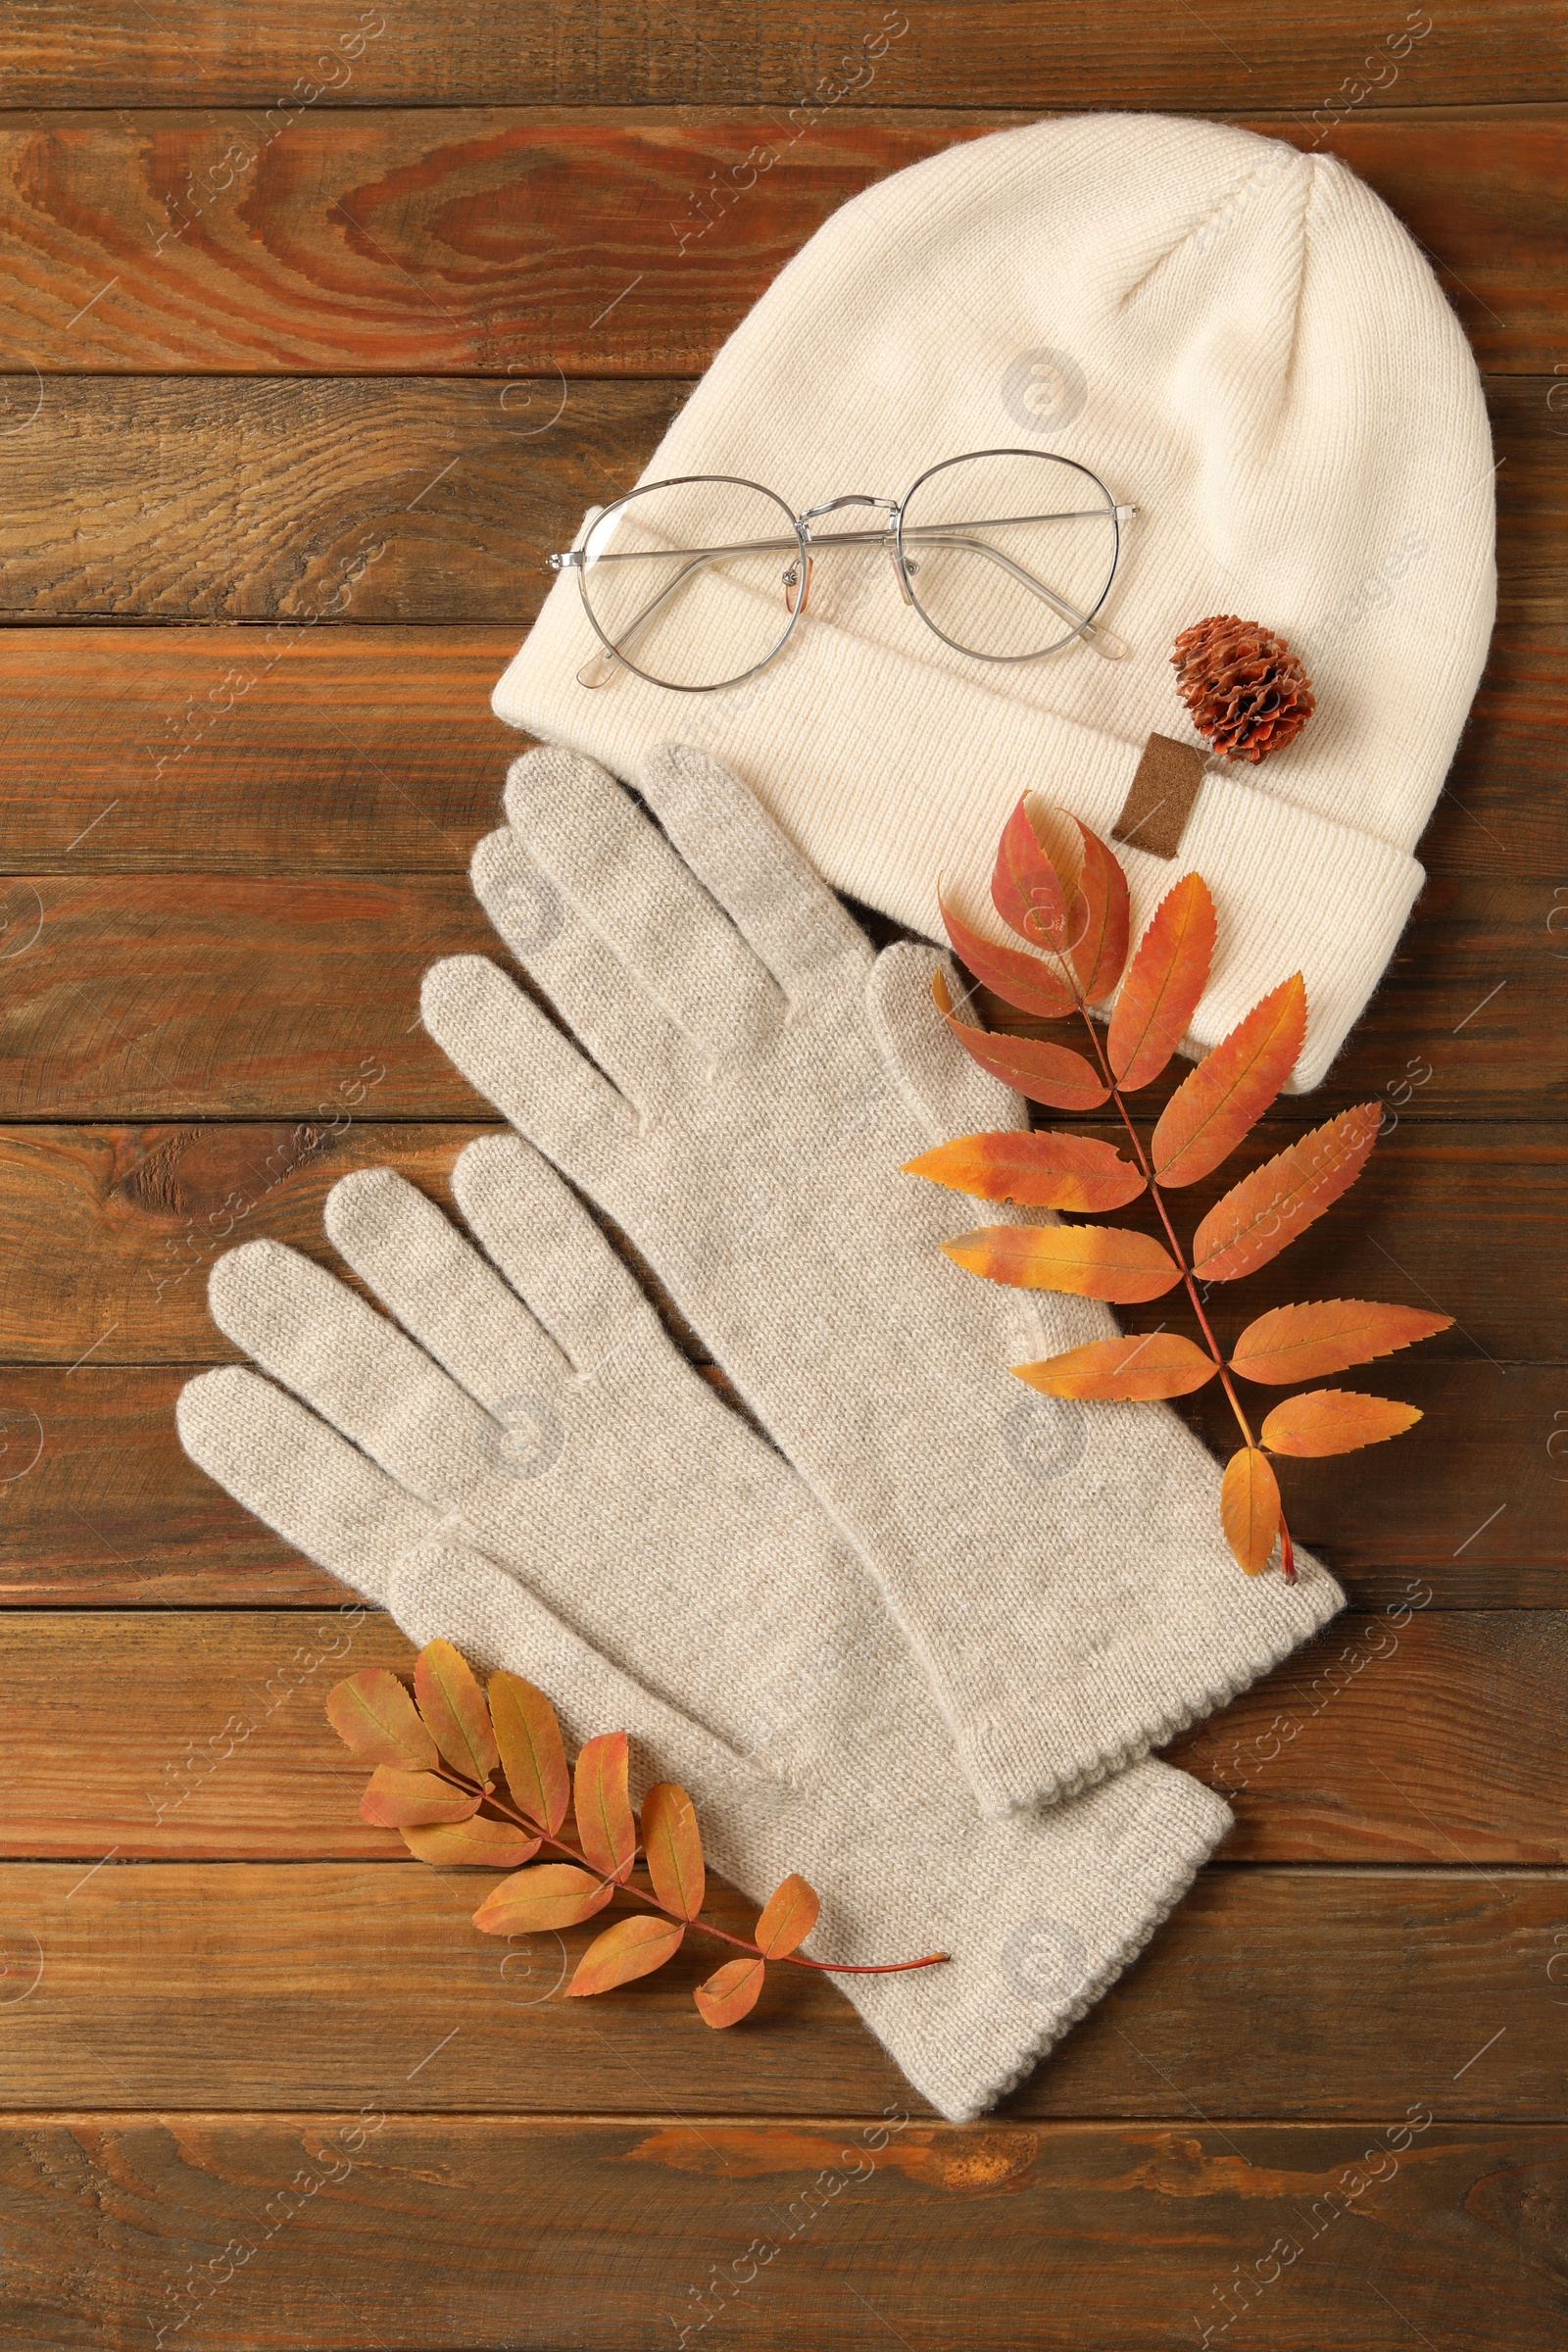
[776, 899]
[299, 1477]
[513, 1054]
[441, 1290]
[355, 1369]
[629, 1035]
[620, 874]
[949, 1090]
[551, 1251]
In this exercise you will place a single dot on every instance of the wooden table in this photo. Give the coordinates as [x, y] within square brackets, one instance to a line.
[294, 297]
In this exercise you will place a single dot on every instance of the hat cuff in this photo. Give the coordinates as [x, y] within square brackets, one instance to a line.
[891, 773]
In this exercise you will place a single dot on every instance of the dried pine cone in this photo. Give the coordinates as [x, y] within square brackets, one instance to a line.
[1246, 690]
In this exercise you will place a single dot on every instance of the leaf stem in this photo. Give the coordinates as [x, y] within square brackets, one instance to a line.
[1286, 1552]
[526, 1821]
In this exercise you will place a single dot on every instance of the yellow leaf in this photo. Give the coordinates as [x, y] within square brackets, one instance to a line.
[729, 1993]
[1335, 1421]
[632, 1947]
[1250, 1508]
[1161, 1363]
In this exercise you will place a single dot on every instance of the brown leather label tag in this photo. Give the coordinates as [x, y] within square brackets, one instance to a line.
[1160, 798]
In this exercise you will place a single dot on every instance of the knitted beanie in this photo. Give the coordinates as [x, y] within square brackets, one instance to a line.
[1241, 342]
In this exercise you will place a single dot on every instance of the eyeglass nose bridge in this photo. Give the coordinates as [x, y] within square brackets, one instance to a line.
[833, 506]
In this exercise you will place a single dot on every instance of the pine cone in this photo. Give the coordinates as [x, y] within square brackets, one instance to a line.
[1246, 690]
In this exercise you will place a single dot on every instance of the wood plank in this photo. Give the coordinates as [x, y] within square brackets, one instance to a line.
[1406, 1736]
[1314, 1995]
[519, 240]
[236, 996]
[111, 1231]
[969, 53]
[349, 2230]
[374, 750]
[295, 500]
[104, 1510]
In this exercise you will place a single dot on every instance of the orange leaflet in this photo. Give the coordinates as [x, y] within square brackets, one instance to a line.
[395, 1798]
[1025, 888]
[1038, 1171]
[454, 1707]
[484, 1845]
[532, 1755]
[604, 1823]
[1096, 918]
[1302, 1343]
[1161, 1363]
[1231, 1088]
[552, 1895]
[1335, 1421]
[673, 1848]
[1259, 1217]
[1097, 1261]
[788, 1916]
[373, 1715]
[1250, 1508]
[730, 1993]
[1045, 1073]
[1160, 992]
[632, 1947]
[1023, 980]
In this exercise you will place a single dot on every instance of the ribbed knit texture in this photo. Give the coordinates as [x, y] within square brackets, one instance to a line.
[550, 1486]
[1270, 373]
[751, 1080]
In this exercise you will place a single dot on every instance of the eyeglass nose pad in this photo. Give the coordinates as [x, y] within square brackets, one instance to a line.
[792, 580]
[899, 574]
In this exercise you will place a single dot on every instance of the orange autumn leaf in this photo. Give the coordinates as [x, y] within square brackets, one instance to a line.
[788, 1916]
[1161, 993]
[1025, 888]
[1097, 917]
[396, 1797]
[373, 1715]
[1231, 1088]
[552, 1895]
[1043, 1072]
[533, 1756]
[673, 1848]
[1037, 1171]
[730, 1993]
[454, 1707]
[1161, 1363]
[1335, 1421]
[1022, 980]
[632, 1947]
[1302, 1343]
[1095, 1261]
[1250, 1508]
[606, 1827]
[1264, 1213]
[482, 1844]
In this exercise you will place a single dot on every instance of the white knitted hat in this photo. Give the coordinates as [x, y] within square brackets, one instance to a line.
[1241, 341]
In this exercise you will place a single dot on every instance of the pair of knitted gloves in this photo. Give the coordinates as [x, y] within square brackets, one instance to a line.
[917, 1647]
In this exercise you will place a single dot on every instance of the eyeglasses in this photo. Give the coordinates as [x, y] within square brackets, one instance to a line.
[1007, 555]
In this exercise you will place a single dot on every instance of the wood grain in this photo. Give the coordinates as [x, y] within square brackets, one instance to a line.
[298, 501]
[235, 996]
[1403, 1736]
[969, 53]
[374, 750]
[103, 1511]
[1315, 1994]
[492, 240]
[340, 2230]
[118, 1226]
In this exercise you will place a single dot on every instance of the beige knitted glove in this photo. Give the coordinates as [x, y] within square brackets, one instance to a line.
[565, 1496]
[756, 1078]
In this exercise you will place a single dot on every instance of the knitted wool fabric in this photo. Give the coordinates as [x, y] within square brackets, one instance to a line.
[1237, 339]
[550, 1485]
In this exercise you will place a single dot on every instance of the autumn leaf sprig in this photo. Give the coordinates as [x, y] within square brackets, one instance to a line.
[480, 1777]
[1083, 927]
